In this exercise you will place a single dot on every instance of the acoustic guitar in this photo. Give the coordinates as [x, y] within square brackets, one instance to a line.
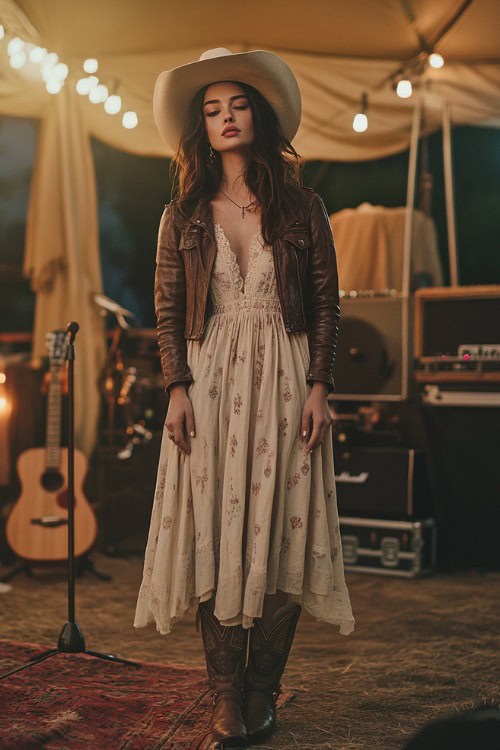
[37, 527]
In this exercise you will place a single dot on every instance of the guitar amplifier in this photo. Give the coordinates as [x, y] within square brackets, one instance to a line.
[383, 482]
[396, 548]
[457, 335]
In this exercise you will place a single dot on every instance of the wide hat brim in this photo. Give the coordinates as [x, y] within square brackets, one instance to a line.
[264, 70]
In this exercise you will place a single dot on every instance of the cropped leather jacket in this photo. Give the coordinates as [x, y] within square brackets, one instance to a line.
[305, 266]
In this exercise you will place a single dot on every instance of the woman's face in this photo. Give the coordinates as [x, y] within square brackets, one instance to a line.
[225, 104]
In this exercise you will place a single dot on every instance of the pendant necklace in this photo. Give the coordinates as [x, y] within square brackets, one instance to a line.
[237, 204]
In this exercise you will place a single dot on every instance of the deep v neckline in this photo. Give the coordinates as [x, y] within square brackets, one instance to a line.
[242, 283]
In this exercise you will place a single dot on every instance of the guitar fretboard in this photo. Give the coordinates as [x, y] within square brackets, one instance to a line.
[53, 428]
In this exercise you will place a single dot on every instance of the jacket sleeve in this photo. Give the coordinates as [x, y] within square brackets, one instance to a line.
[324, 329]
[170, 303]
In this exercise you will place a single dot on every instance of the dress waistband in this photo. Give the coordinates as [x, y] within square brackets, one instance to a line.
[250, 304]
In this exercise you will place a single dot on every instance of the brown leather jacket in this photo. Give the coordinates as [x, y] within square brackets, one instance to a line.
[305, 265]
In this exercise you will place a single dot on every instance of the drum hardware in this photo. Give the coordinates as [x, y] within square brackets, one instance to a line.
[140, 435]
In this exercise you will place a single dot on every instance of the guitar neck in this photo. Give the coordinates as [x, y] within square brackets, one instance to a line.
[53, 427]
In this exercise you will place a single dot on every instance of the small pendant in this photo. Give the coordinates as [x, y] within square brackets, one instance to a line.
[243, 212]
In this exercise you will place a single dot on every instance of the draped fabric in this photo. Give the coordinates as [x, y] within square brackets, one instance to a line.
[371, 241]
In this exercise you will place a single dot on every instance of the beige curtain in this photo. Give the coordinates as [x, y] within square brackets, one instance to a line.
[62, 251]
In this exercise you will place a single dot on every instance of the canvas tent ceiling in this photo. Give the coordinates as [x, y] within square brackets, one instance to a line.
[336, 49]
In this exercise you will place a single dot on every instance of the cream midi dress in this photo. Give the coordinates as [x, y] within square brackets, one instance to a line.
[249, 511]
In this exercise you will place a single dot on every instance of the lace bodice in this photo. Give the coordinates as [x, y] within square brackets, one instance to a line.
[227, 284]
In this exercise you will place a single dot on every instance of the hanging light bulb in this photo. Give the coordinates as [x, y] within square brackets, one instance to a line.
[113, 104]
[360, 121]
[404, 88]
[53, 85]
[436, 60]
[98, 94]
[15, 45]
[18, 59]
[61, 71]
[90, 65]
[83, 86]
[38, 54]
[129, 120]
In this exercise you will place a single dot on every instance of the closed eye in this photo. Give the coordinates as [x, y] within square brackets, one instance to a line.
[216, 112]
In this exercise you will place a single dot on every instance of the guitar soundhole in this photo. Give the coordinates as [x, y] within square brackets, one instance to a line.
[52, 480]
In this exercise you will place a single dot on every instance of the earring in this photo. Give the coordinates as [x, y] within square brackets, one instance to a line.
[212, 155]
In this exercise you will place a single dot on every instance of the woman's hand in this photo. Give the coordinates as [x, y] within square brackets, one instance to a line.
[180, 417]
[316, 416]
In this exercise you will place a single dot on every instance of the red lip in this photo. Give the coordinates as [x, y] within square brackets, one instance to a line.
[230, 129]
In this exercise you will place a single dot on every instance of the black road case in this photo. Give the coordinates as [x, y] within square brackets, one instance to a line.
[395, 548]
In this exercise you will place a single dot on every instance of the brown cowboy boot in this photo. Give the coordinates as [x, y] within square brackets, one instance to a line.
[267, 658]
[225, 654]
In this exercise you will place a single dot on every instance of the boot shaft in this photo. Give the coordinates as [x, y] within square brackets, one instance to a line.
[268, 652]
[225, 651]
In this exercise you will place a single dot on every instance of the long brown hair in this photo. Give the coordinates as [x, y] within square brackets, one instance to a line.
[273, 166]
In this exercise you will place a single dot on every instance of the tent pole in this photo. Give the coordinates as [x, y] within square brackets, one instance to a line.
[410, 195]
[407, 246]
[450, 197]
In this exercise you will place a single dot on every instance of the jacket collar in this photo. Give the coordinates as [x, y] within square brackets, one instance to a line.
[203, 216]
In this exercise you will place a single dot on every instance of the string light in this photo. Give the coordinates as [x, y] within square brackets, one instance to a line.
[54, 73]
[90, 65]
[360, 121]
[436, 60]
[404, 88]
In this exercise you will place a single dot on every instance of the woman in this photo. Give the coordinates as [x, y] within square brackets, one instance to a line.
[244, 522]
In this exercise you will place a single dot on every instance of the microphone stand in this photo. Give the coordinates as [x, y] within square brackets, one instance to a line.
[71, 639]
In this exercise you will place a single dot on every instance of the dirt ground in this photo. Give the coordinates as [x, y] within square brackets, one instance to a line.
[421, 648]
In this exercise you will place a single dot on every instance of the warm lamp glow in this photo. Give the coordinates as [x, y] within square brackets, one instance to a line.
[436, 60]
[360, 123]
[129, 120]
[90, 65]
[404, 89]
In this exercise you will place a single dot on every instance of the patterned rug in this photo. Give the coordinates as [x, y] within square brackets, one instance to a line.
[80, 702]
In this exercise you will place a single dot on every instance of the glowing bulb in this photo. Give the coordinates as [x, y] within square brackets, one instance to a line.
[98, 94]
[3, 377]
[360, 123]
[3, 403]
[2, 31]
[61, 71]
[47, 69]
[53, 86]
[113, 104]
[436, 60]
[37, 54]
[404, 89]
[129, 120]
[18, 59]
[90, 65]
[15, 45]
[82, 86]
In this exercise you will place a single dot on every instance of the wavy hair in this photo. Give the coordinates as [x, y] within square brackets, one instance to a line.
[273, 165]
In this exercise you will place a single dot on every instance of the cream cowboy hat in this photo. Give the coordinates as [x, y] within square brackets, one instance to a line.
[265, 71]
